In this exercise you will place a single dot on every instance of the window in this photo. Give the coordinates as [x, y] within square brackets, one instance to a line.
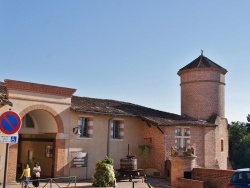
[83, 126]
[27, 122]
[182, 137]
[221, 145]
[116, 129]
[178, 132]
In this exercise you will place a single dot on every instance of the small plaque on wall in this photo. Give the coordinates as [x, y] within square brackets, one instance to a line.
[79, 159]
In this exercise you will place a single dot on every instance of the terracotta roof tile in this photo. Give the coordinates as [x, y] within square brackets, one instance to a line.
[3, 95]
[112, 107]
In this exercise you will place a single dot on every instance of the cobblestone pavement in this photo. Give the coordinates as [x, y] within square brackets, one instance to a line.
[136, 183]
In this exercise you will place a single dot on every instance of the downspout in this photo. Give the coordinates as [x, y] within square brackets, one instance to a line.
[108, 135]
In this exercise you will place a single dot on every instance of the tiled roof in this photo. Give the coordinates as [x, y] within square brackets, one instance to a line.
[203, 62]
[118, 108]
[3, 95]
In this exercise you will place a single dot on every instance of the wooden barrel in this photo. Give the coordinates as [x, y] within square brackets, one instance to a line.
[128, 164]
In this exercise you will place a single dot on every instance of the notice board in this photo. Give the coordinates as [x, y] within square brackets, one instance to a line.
[79, 159]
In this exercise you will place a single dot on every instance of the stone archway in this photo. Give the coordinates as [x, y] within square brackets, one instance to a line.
[58, 144]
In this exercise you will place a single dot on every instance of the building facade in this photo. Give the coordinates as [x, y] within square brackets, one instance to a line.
[68, 134]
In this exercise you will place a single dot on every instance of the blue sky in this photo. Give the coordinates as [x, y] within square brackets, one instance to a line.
[127, 50]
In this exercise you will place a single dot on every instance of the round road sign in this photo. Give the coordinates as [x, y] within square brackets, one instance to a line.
[10, 122]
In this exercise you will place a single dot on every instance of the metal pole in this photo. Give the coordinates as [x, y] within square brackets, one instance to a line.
[50, 183]
[5, 165]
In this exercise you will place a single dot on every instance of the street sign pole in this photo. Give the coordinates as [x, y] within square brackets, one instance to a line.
[10, 123]
[5, 166]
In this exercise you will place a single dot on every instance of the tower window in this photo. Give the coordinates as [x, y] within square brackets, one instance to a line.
[221, 145]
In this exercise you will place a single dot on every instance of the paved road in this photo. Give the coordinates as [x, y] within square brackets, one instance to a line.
[136, 183]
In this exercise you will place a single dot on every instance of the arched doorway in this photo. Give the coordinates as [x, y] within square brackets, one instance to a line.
[37, 142]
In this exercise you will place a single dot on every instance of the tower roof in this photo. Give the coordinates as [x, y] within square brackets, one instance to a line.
[203, 62]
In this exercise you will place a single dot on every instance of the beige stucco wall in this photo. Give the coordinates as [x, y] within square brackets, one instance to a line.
[101, 144]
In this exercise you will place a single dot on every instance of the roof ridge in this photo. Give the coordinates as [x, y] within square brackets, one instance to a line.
[202, 62]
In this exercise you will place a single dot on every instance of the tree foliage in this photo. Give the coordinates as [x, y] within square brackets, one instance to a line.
[239, 144]
[104, 175]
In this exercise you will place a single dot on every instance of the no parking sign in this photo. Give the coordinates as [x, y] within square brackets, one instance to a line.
[10, 122]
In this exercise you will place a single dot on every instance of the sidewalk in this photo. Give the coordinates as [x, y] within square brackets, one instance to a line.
[136, 183]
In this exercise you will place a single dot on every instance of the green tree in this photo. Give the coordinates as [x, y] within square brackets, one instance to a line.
[248, 124]
[239, 145]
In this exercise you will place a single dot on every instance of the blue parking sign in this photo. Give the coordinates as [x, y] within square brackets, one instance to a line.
[13, 139]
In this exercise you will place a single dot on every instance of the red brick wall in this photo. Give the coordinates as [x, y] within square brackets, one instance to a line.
[157, 153]
[202, 93]
[189, 183]
[12, 161]
[210, 148]
[59, 158]
[214, 178]
[197, 141]
[169, 139]
[207, 149]
[178, 166]
[222, 134]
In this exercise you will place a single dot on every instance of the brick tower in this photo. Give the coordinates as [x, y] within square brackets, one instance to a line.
[202, 89]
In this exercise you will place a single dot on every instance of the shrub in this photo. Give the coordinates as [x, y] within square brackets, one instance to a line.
[144, 150]
[104, 175]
